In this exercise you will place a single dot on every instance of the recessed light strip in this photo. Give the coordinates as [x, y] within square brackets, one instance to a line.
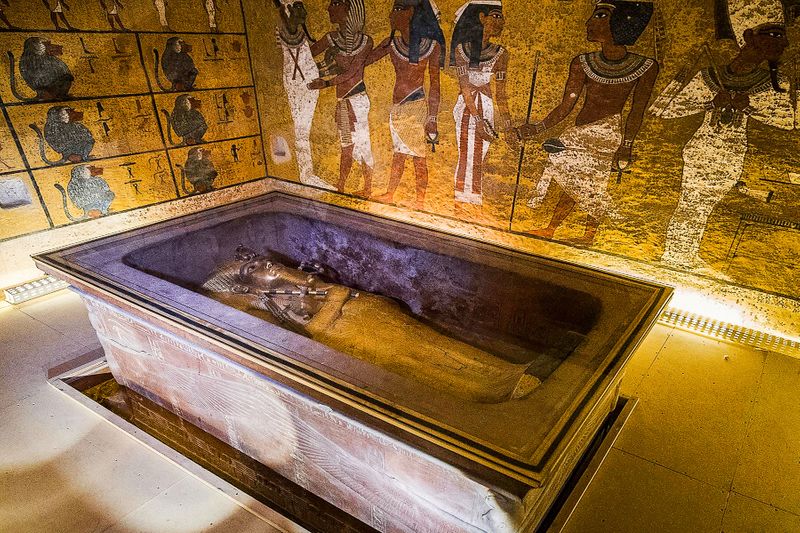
[729, 332]
[33, 289]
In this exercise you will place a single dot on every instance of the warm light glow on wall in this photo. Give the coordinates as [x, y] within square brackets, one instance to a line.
[692, 301]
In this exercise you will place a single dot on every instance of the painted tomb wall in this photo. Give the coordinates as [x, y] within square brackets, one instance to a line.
[661, 137]
[117, 113]
[671, 155]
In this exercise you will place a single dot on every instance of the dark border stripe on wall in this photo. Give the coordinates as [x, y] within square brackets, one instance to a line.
[27, 167]
[255, 89]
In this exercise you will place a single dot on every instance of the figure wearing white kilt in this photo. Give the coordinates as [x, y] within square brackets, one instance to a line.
[472, 144]
[346, 51]
[407, 118]
[211, 11]
[352, 114]
[161, 8]
[583, 156]
[729, 97]
[586, 153]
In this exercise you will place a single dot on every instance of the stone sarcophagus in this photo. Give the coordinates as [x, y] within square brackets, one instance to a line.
[417, 380]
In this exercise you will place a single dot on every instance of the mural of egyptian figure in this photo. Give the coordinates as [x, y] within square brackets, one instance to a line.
[177, 64]
[346, 50]
[728, 96]
[161, 8]
[299, 69]
[478, 61]
[186, 120]
[581, 159]
[199, 171]
[42, 70]
[366, 326]
[112, 9]
[88, 191]
[3, 15]
[416, 46]
[66, 135]
[57, 12]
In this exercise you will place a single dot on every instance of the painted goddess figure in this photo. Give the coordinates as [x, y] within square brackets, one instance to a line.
[478, 61]
[346, 50]
[581, 160]
[415, 47]
[299, 68]
[729, 97]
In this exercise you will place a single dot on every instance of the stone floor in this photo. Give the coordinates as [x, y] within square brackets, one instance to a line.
[714, 444]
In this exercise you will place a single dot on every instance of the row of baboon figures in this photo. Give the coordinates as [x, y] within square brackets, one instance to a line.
[581, 159]
[50, 79]
[111, 9]
[91, 193]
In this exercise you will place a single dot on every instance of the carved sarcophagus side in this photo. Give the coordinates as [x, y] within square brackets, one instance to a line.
[453, 386]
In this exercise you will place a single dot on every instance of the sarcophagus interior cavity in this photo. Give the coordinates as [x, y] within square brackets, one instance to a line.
[452, 386]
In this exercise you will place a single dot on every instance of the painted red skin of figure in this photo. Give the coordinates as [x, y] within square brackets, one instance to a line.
[351, 74]
[602, 100]
[408, 78]
[766, 43]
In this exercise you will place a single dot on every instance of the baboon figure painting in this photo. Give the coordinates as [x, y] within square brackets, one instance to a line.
[581, 159]
[416, 48]
[199, 171]
[42, 70]
[729, 97]
[65, 134]
[186, 120]
[88, 191]
[478, 62]
[177, 65]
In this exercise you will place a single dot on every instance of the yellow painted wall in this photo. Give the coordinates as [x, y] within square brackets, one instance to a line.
[124, 107]
[749, 242]
[750, 247]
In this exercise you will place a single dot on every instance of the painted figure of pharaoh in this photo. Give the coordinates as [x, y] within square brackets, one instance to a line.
[299, 69]
[478, 61]
[346, 50]
[366, 326]
[415, 46]
[112, 9]
[57, 12]
[728, 96]
[581, 159]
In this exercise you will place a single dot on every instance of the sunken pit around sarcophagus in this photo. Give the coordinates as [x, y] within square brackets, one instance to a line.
[452, 386]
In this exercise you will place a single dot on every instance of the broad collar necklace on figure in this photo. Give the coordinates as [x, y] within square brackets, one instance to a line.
[602, 70]
[291, 39]
[751, 82]
[338, 40]
[403, 49]
[488, 52]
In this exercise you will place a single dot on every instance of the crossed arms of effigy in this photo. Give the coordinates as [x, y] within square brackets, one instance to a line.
[366, 326]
